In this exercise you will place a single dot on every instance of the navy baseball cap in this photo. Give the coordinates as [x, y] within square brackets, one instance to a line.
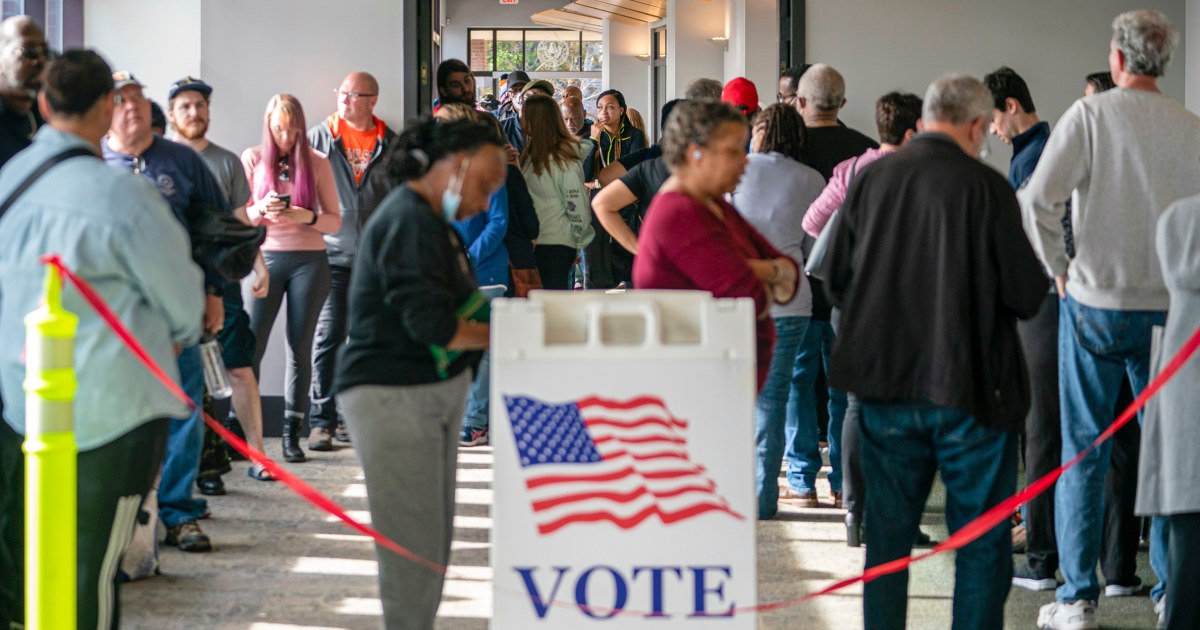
[189, 83]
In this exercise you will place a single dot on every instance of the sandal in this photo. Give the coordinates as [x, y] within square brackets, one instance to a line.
[259, 472]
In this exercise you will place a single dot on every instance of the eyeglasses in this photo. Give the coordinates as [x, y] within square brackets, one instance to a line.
[284, 170]
[120, 99]
[785, 98]
[354, 96]
[34, 52]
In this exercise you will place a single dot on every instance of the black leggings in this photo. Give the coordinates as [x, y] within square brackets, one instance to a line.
[554, 264]
[304, 277]
[113, 482]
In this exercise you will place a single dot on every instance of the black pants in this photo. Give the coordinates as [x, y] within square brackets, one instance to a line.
[554, 264]
[1043, 432]
[331, 333]
[113, 482]
[1183, 589]
[854, 486]
[304, 277]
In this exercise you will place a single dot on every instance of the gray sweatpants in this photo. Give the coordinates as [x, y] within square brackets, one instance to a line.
[406, 438]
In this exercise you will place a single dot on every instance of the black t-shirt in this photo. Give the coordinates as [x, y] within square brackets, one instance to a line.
[410, 277]
[16, 131]
[645, 179]
[830, 146]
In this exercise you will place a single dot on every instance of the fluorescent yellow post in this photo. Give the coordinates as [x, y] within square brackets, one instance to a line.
[50, 463]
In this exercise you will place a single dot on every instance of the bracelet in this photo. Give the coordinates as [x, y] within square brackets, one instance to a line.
[314, 219]
[778, 272]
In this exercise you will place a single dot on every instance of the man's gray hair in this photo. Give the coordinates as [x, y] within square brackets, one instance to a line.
[703, 90]
[1146, 39]
[957, 99]
[823, 88]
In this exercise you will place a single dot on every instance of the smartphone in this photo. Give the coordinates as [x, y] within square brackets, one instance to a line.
[285, 199]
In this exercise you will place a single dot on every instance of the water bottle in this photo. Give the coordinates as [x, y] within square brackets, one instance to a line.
[216, 380]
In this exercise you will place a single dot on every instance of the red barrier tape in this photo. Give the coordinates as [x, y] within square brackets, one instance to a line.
[963, 537]
[301, 487]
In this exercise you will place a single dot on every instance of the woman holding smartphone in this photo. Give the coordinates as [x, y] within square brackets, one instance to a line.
[295, 197]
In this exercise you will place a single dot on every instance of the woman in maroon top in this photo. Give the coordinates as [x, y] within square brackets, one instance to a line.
[693, 239]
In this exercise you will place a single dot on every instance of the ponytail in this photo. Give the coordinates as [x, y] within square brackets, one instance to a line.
[427, 141]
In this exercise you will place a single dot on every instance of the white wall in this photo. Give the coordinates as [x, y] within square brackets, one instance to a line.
[691, 54]
[622, 69]
[882, 45]
[753, 31]
[1191, 58]
[158, 42]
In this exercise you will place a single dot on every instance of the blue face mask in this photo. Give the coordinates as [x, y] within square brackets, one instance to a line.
[452, 196]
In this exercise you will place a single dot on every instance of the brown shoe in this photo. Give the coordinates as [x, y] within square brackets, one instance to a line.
[837, 500]
[188, 537]
[800, 499]
[320, 440]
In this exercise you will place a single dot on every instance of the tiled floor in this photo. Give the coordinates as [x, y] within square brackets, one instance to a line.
[280, 564]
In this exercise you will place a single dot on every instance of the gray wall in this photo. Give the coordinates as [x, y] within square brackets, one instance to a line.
[882, 45]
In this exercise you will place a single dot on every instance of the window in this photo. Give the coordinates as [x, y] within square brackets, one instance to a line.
[61, 20]
[562, 57]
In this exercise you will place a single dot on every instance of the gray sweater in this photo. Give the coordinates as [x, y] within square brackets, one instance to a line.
[1127, 155]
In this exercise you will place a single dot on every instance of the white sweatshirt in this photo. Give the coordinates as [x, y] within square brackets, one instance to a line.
[1127, 154]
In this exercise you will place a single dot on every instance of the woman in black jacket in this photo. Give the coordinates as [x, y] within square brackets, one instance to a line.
[406, 367]
[606, 265]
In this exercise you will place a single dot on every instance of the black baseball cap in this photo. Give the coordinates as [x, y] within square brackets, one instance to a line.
[189, 83]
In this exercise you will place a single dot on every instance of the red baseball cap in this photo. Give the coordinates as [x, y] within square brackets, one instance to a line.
[742, 94]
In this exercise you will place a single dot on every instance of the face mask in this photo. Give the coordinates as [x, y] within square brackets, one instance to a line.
[452, 196]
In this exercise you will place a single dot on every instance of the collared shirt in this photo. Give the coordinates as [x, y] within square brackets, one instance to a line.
[115, 231]
[1027, 150]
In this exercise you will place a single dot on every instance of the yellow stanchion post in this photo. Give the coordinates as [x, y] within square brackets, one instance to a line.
[51, 458]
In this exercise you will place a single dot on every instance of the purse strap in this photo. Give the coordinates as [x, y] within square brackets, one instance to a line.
[41, 170]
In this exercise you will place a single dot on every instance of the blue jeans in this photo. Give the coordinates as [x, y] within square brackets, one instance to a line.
[476, 416]
[1096, 349]
[903, 446]
[774, 410]
[185, 440]
[803, 437]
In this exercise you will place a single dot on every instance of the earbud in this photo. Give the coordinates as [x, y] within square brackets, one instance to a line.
[696, 155]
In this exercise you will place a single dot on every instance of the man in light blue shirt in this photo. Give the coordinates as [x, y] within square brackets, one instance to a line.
[117, 232]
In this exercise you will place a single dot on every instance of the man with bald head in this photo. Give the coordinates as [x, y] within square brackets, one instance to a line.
[577, 109]
[355, 141]
[22, 56]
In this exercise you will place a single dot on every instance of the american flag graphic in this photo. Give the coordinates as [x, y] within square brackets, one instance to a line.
[597, 460]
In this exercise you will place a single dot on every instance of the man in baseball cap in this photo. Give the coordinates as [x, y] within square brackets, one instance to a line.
[742, 94]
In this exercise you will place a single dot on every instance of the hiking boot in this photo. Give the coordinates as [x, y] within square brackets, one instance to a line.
[188, 537]
[291, 441]
[473, 437]
[1031, 579]
[1076, 615]
[320, 439]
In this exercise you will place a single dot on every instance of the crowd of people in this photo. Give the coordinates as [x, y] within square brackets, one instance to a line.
[959, 317]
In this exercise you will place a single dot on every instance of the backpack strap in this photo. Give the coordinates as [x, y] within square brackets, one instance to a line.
[41, 170]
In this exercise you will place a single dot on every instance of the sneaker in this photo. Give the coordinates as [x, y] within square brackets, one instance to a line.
[473, 437]
[1031, 579]
[1076, 615]
[804, 499]
[341, 433]
[211, 486]
[1116, 589]
[188, 537]
[1160, 609]
[320, 439]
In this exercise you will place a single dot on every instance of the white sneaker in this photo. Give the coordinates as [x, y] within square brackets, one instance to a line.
[1077, 615]
[1121, 590]
[1160, 609]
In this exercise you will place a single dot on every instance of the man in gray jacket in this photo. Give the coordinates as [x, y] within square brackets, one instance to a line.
[1127, 154]
[355, 141]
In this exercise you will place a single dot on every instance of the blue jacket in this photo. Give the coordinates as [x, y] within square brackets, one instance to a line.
[483, 235]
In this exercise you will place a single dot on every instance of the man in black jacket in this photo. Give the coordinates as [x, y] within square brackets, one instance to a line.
[355, 141]
[932, 271]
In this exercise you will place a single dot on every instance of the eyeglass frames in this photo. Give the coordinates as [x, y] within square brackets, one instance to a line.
[354, 96]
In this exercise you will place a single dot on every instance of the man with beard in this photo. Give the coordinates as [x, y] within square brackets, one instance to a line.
[455, 83]
[23, 53]
[188, 111]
